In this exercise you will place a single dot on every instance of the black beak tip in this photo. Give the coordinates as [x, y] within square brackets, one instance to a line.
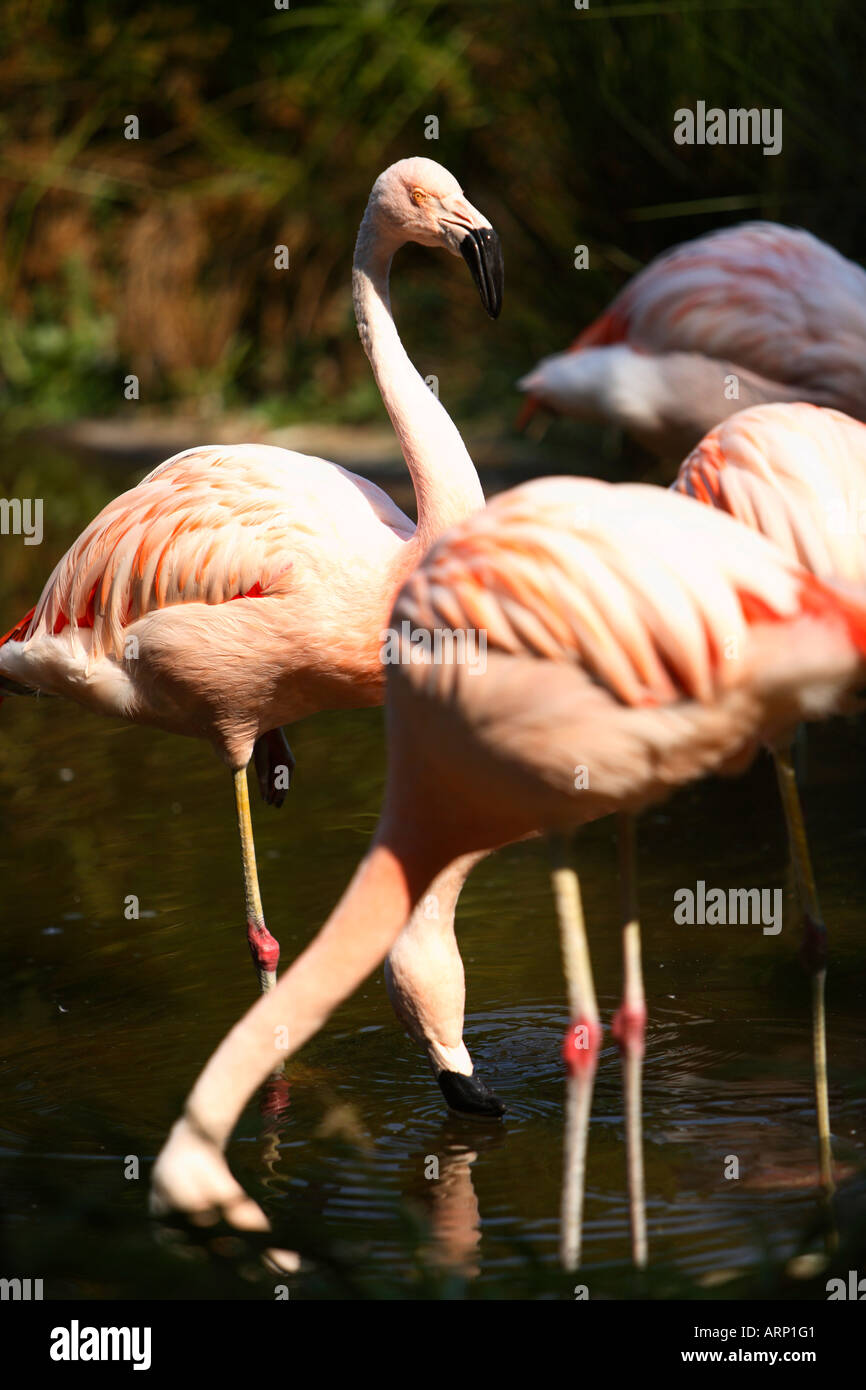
[468, 1095]
[482, 251]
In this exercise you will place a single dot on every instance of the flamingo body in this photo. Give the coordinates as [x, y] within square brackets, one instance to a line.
[229, 592]
[750, 314]
[797, 474]
[629, 630]
[624, 635]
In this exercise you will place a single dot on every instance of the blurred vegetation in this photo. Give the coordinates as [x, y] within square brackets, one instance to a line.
[155, 256]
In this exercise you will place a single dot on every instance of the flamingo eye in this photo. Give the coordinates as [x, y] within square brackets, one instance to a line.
[418, 196]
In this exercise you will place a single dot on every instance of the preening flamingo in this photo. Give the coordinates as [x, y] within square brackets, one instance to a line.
[754, 313]
[797, 474]
[629, 631]
[238, 589]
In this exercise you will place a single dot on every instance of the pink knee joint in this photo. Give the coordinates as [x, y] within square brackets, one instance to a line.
[628, 1027]
[265, 949]
[581, 1045]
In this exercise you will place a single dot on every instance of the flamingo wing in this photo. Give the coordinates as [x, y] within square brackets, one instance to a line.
[774, 299]
[209, 526]
[651, 598]
[794, 472]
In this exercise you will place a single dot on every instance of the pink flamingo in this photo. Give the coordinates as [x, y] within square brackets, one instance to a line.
[628, 631]
[238, 589]
[797, 474]
[750, 314]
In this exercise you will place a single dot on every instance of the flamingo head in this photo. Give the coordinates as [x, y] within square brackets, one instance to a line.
[418, 200]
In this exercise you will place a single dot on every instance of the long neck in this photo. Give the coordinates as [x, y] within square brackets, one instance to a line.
[446, 483]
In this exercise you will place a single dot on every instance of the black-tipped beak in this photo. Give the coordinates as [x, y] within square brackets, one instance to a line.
[468, 1095]
[482, 252]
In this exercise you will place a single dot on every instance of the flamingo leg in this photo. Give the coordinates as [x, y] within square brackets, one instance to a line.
[629, 1028]
[814, 953]
[580, 1049]
[265, 949]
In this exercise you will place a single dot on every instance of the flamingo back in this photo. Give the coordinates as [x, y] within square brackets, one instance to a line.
[775, 299]
[209, 526]
[797, 474]
[648, 591]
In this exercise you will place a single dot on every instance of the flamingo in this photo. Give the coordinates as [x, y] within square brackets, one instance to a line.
[797, 474]
[754, 313]
[627, 629]
[238, 589]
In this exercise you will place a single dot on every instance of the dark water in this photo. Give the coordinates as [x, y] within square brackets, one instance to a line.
[106, 1021]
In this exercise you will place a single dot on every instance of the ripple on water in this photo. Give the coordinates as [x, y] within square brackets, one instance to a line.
[698, 1110]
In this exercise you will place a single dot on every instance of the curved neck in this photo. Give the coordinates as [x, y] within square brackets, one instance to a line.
[447, 488]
